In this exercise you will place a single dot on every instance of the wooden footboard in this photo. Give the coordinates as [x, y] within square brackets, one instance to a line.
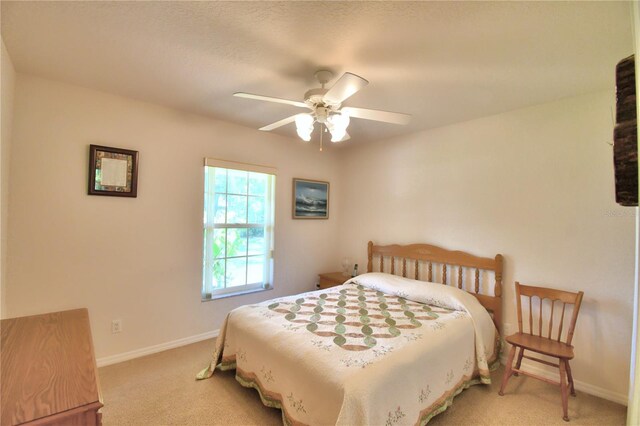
[417, 261]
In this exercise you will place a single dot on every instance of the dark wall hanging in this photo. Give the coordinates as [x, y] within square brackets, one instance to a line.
[625, 137]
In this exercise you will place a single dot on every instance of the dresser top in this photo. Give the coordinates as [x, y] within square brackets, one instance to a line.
[48, 365]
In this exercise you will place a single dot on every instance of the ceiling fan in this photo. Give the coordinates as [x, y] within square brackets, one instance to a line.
[326, 108]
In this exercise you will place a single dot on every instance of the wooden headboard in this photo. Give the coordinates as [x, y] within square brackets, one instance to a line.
[458, 261]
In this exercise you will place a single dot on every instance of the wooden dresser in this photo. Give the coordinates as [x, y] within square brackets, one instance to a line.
[49, 374]
[331, 279]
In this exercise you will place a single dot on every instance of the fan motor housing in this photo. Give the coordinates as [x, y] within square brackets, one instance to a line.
[315, 98]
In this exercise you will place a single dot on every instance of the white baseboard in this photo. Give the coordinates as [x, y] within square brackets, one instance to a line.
[126, 356]
[579, 385]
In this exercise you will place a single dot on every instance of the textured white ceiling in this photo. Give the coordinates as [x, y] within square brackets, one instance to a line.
[443, 62]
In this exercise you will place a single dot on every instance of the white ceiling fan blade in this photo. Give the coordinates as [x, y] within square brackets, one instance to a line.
[377, 115]
[279, 123]
[346, 86]
[270, 99]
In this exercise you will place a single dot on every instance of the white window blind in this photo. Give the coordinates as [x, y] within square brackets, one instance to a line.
[239, 202]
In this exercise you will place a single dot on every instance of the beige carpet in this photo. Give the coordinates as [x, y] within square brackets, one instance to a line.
[160, 390]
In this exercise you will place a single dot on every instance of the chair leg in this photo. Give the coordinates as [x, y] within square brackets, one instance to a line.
[519, 362]
[508, 370]
[564, 391]
[573, 389]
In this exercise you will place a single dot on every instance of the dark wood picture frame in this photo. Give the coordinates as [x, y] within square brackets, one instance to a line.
[120, 171]
[314, 194]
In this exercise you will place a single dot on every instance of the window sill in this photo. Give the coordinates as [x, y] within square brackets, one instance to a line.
[239, 293]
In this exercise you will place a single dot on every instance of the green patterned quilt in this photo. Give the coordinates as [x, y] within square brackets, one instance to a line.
[379, 349]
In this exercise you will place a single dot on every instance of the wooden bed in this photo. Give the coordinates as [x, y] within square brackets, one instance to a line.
[416, 256]
[332, 356]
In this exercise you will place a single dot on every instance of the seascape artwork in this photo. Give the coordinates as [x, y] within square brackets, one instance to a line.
[311, 199]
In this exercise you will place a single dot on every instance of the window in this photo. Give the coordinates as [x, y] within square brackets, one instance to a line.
[238, 228]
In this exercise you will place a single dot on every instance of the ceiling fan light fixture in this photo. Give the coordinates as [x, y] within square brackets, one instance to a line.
[337, 125]
[305, 135]
[338, 135]
[327, 110]
[304, 126]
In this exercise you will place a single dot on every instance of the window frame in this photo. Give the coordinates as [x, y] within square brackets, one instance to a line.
[207, 292]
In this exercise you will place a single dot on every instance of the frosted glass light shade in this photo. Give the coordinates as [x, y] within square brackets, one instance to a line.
[337, 125]
[340, 120]
[304, 126]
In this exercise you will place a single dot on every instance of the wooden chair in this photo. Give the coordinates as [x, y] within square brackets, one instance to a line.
[537, 342]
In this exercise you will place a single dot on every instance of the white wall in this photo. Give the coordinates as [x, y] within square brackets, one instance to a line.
[535, 185]
[140, 259]
[7, 89]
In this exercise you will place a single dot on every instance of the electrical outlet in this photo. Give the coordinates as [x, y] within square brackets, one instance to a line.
[116, 326]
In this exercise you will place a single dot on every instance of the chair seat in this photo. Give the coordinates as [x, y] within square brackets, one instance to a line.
[541, 345]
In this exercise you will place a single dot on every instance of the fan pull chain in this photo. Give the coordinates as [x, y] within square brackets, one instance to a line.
[321, 133]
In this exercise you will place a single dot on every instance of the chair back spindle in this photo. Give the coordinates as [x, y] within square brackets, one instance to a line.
[564, 306]
[539, 318]
[553, 302]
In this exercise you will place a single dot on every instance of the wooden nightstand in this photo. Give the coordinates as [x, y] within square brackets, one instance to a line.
[332, 279]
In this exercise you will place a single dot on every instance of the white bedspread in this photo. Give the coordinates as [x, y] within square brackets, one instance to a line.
[378, 350]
